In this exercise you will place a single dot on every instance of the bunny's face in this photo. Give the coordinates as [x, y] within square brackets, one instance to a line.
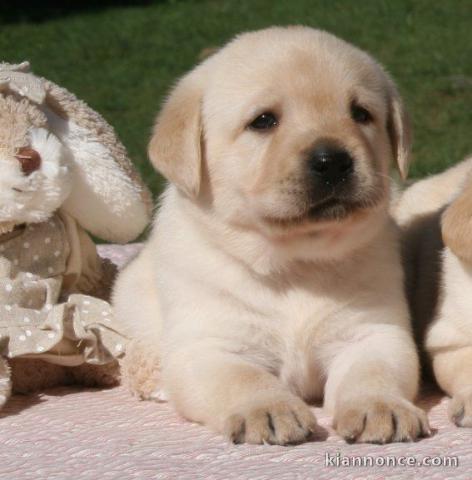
[55, 151]
[35, 176]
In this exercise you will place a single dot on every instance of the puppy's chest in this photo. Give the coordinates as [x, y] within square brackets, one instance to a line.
[297, 315]
[294, 334]
[309, 331]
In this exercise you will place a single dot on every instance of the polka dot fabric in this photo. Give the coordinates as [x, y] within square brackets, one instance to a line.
[35, 321]
[41, 249]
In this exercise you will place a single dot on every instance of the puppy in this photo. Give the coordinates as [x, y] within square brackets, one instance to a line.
[272, 276]
[436, 217]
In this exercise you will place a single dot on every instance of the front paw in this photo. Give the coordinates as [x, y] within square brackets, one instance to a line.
[460, 408]
[381, 420]
[280, 421]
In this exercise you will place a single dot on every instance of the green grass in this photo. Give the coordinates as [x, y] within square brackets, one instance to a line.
[122, 60]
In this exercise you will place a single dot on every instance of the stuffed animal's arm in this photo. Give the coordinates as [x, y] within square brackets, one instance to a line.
[5, 381]
[85, 272]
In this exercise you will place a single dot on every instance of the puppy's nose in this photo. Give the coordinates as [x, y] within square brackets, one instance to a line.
[330, 164]
[29, 159]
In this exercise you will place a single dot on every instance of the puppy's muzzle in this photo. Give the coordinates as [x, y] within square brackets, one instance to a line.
[330, 166]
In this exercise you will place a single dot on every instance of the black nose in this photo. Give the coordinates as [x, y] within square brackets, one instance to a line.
[330, 164]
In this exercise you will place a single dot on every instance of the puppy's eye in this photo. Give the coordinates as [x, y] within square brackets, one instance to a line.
[265, 121]
[360, 114]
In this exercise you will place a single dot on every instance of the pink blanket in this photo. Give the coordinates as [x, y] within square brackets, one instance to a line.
[76, 434]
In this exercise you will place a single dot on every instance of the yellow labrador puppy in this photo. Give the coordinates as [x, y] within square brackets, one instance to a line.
[272, 276]
[436, 217]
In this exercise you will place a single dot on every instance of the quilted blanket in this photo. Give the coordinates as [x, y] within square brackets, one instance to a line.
[71, 433]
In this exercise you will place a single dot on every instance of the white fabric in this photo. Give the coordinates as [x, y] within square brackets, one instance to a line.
[91, 435]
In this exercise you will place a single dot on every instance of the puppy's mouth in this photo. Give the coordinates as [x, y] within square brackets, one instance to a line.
[333, 209]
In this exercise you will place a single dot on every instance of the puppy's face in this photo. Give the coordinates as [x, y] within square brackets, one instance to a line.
[294, 130]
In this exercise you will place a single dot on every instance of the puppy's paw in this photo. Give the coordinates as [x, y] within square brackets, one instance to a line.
[279, 421]
[460, 408]
[381, 420]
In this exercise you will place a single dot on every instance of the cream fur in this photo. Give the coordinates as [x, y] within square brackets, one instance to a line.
[431, 194]
[241, 307]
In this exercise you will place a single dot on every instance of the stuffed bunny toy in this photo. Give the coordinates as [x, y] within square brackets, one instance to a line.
[63, 173]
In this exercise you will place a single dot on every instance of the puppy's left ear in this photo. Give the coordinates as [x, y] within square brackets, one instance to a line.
[399, 130]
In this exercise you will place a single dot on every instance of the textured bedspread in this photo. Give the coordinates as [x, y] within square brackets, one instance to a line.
[78, 434]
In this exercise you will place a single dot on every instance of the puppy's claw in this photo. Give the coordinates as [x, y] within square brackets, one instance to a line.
[235, 429]
[381, 421]
[460, 408]
[280, 422]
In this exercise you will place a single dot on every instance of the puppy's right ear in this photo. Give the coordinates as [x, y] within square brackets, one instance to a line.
[399, 130]
[175, 148]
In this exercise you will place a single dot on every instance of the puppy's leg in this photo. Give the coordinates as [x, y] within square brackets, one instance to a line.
[370, 386]
[431, 194]
[136, 307]
[235, 397]
[449, 338]
[453, 372]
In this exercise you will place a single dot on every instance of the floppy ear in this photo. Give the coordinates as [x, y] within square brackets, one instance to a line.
[108, 197]
[399, 130]
[175, 148]
[18, 79]
[456, 224]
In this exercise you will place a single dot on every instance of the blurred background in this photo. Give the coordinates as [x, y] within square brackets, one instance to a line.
[122, 57]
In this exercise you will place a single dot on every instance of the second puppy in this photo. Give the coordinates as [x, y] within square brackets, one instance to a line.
[272, 276]
[436, 218]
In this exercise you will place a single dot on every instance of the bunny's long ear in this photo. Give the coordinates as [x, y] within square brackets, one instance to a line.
[108, 197]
